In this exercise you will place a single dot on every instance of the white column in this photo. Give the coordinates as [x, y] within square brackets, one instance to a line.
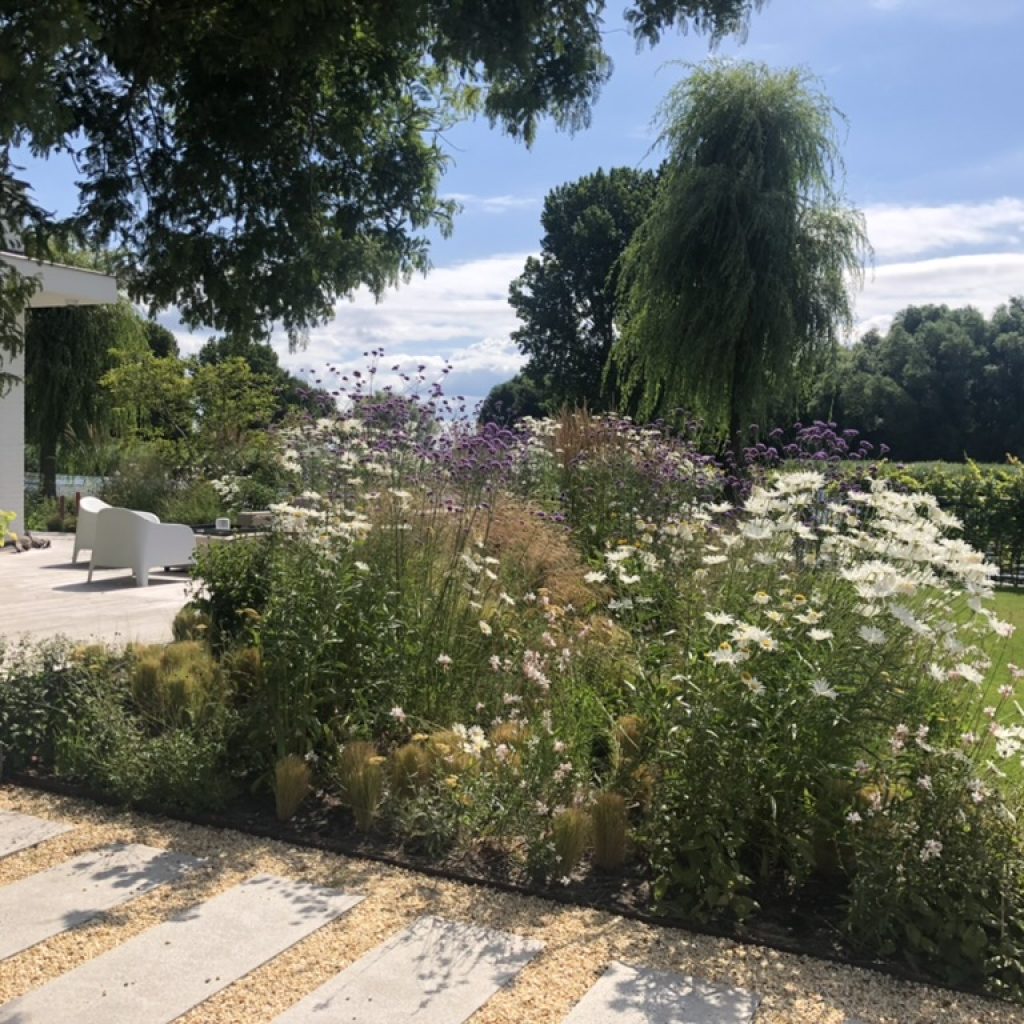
[12, 441]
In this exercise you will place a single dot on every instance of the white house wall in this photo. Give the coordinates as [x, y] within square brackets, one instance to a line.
[12, 444]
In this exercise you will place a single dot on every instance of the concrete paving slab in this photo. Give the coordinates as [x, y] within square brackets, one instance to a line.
[164, 972]
[50, 902]
[46, 595]
[20, 831]
[436, 972]
[630, 995]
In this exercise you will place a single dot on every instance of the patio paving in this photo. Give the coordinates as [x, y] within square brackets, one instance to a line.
[44, 594]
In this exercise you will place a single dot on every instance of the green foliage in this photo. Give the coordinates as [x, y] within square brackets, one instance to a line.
[567, 299]
[510, 401]
[196, 503]
[144, 479]
[941, 383]
[68, 351]
[236, 586]
[256, 169]
[735, 287]
[41, 689]
[110, 749]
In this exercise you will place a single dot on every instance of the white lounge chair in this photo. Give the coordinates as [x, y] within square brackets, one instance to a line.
[137, 540]
[85, 525]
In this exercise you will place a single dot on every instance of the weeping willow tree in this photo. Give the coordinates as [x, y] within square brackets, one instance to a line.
[737, 286]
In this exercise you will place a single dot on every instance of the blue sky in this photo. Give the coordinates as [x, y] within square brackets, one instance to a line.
[934, 157]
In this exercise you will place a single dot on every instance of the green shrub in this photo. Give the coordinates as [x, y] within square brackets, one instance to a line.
[42, 687]
[195, 502]
[145, 478]
[190, 624]
[236, 584]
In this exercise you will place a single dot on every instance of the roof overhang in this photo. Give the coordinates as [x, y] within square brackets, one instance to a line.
[64, 286]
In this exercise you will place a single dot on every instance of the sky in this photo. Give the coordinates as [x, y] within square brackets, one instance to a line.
[934, 158]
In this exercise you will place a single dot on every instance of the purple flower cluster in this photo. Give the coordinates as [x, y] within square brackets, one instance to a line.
[818, 442]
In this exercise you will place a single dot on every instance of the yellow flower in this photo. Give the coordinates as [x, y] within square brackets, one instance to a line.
[452, 781]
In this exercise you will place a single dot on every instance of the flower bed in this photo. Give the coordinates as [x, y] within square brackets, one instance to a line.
[564, 654]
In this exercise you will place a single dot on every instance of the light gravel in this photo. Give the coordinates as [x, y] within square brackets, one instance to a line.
[578, 943]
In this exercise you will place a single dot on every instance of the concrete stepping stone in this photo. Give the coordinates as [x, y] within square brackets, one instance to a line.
[50, 902]
[639, 995]
[164, 972]
[436, 972]
[20, 831]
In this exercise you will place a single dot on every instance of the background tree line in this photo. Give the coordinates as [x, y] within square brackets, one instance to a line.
[940, 383]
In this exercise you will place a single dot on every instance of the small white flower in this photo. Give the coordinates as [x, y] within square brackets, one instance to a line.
[444, 661]
[761, 598]
[595, 577]
[820, 688]
[628, 580]
[871, 635]
[854, 818]
[725, 655]
[397, 714]
[362, 566]
[931, 850]
[719, 618]
[820, 634]
[485, 628]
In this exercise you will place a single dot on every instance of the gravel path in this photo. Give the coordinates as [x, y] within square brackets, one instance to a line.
[578, 944]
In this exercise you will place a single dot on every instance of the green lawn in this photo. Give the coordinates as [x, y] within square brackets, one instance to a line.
[1009, 605]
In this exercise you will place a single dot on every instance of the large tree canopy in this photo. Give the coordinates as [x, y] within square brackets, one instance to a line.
[736, 286]
[941, 383]
[256, 160]
[566, 299]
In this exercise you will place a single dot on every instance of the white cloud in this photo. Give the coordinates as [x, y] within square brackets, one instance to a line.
[458, 314]
[493, 204]
[982, 280]
[900, 231]
[985, 12]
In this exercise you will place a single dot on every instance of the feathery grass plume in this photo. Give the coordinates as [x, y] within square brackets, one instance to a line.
[190, 624]
[411, 768]
[536, 553]
[243, 667]
[175, 684]
[293, 780]
[570, 831]
[627, 739]
[360, 778]
[609, 819]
